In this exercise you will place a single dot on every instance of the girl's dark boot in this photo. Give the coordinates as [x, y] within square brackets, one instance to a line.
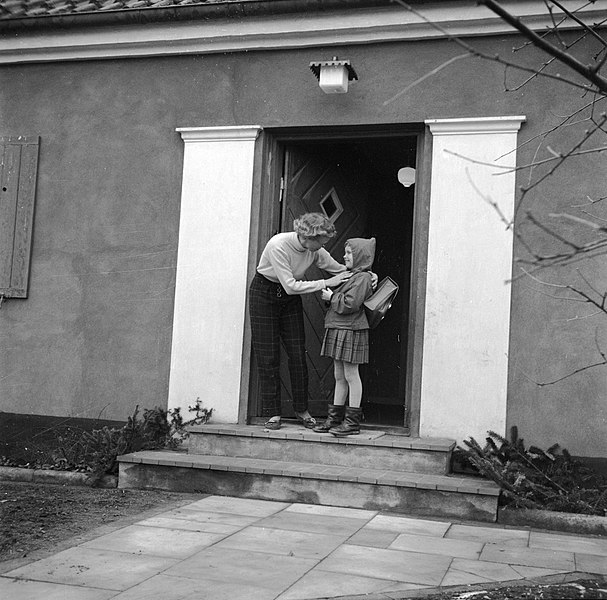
[350, 424]
[335, 415]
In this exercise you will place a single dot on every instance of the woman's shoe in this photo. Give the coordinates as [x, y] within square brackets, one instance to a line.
[308, 421]
[272, 424]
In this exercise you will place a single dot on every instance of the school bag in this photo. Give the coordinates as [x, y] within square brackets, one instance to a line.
[378, 304]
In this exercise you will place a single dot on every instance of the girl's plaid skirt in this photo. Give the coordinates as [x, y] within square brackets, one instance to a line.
[347, 345]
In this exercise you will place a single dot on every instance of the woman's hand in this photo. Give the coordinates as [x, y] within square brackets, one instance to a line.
[326, 294]
[337, 279]
[374, 280]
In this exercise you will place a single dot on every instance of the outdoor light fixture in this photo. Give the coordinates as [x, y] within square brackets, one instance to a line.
[406, 176]
[333, 75]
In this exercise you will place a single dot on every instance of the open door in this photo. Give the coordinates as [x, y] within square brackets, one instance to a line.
[354, 182]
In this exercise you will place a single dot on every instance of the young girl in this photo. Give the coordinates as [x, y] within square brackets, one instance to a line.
[346, 338]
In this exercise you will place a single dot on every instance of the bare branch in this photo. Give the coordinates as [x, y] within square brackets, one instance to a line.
[560, 125]
[429, 74]
[579, 220]
[583, 317]
[507, 169]
[492, 57]
[574, 372]
[584, 26]
[576, 253]
[585, 212]
[590, 202]
[588, 73]
[490, 202]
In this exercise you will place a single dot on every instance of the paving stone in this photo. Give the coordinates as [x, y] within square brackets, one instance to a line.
[531, 557]
[463, 572]
[374, 538]
[534, 573]
[155, 541]
[15, 589]
[409, 567]
[190, 525]
[332, 511]
[164, 587]
[246, 567]
[89, 567]
[568, 543]
[321, 584]
[282, 542]
[200, 516]
[339, 526]
[590, 563]
[238, 506]
[435, 545]
[489, 535]
[409, 525]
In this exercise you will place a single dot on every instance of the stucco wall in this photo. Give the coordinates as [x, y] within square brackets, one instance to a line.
[94, 336]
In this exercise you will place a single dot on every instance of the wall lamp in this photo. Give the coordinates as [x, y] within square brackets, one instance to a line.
[406, 176]
[333, 75]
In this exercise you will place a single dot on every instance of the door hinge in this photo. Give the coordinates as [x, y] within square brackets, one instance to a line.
[282, 189]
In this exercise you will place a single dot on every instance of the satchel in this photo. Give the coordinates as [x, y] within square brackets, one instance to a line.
[378, 304]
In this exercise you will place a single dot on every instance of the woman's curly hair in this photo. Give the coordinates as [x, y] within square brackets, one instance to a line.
[311, 225]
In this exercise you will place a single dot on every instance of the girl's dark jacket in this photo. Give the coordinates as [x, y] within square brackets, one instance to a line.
[346, 309]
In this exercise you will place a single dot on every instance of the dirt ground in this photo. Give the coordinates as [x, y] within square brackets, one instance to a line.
[578, 588]
[39, 518]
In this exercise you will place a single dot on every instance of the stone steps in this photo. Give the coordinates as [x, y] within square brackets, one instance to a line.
[372, 471]
[370, 450]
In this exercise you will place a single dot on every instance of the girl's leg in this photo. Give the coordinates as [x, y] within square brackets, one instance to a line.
[351, 423]
[266, 347]
[355, 385]
[336, 411]
[341, 385]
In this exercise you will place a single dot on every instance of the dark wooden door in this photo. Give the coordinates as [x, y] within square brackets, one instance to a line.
[355, 181]
[317, 178]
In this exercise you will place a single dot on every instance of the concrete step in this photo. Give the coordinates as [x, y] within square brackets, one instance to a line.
[371, 449]
[312, 483]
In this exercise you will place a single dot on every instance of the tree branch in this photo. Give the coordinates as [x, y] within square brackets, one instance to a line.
[567, 59]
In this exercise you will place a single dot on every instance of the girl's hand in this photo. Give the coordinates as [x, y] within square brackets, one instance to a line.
[326, 294]
[337, 279]
[374, 280]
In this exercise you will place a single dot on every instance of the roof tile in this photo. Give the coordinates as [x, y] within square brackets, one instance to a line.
[11, 9]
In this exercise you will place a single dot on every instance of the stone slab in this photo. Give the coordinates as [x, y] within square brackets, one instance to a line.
[90, 567]
[406, 567]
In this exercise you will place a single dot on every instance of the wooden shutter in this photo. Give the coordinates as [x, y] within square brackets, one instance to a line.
[18, 168]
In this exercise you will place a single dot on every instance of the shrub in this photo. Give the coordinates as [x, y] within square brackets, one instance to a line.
[156, 430]
[534, 478]
[96, 451]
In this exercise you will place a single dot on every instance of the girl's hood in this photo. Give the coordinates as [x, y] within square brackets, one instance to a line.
[363, 253]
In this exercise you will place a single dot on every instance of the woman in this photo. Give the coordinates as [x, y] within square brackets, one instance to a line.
[276, 309]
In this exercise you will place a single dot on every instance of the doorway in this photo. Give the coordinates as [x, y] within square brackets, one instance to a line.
[354, 182]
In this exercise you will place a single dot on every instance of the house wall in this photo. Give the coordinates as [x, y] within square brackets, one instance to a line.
[94, 336]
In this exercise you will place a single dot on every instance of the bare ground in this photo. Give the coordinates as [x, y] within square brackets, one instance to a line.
[37, 518]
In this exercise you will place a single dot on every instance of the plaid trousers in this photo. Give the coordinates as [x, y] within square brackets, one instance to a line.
[276, 317]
